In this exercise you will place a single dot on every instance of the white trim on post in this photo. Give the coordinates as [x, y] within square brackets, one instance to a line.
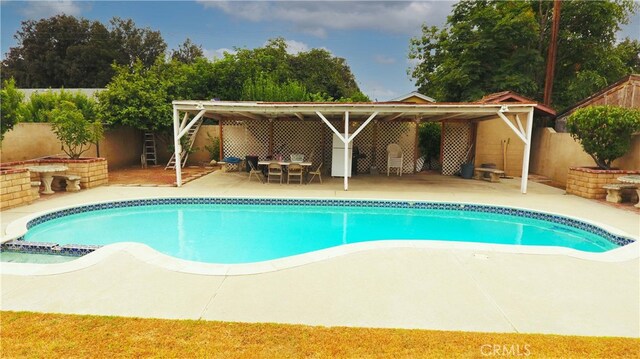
[346, 150]
[176, 146]
[527, 153]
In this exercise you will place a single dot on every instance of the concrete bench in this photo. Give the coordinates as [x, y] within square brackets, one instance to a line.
[493, 173]
[35, 190]
[72, 182]
[614, 191]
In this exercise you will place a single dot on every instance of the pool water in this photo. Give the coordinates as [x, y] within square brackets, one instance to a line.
[223, 233]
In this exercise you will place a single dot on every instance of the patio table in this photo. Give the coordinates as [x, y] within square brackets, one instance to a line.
[634, 179]
[305, 165]
[46, 175]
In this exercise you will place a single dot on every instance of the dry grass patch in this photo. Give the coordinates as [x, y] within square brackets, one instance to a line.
[81, 336]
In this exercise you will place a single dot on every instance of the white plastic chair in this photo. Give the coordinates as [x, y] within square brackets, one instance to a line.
[394, 158]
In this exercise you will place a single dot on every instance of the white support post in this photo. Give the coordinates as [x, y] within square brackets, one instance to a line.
[346, 150]
[176, 146]
[527, 152]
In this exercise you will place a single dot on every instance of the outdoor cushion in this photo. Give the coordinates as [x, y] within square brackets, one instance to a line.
[233, 160]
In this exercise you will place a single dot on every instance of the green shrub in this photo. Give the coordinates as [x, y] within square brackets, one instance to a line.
[213, 147]
[11, 104]
[75, 132]
[429, 141]
[604, 131]
[40, 104]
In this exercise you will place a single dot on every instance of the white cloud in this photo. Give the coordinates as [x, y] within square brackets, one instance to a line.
[384, 60]
[217, 53]
[44, 9]
[294, 47]
[315, 17]
[377, 91]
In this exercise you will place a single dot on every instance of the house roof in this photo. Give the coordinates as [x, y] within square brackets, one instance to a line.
[414, 94]
[588, 100]
[510, 96]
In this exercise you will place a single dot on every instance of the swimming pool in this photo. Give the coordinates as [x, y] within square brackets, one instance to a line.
[232, 231]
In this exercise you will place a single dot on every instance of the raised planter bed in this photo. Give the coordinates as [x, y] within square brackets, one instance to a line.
[15, 187]
[93, 172]
[587, 182]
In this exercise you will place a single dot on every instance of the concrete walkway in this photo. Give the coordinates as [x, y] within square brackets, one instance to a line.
[447, 289]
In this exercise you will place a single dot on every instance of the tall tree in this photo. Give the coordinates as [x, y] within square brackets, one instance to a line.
[488, 46]
[64, 51]
[135, 43]
[10, 103]
[187, 52]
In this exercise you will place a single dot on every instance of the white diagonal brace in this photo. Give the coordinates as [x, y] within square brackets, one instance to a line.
[362, 127]
[184, 120]
[191, 123]
[515, 130]
[331, 127]
[520, 124]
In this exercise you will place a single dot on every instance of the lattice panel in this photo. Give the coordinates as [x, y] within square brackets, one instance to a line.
[298, 137]
[455, 146]
[402, 133]
[245, 138]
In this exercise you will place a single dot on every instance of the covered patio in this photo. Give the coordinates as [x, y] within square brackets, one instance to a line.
[263, 128]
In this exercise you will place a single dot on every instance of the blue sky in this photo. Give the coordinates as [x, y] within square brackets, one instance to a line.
[372, 36]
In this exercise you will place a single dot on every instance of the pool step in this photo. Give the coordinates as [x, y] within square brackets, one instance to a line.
[22, 246]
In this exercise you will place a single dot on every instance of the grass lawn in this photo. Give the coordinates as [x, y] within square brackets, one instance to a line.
[25, 334]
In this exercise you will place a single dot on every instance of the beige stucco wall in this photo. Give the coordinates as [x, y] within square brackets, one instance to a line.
[120, 146]
[552, 154]
[201, 155]
[489, 146]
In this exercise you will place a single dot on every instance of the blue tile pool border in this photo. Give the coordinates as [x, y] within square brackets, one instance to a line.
[20, 245]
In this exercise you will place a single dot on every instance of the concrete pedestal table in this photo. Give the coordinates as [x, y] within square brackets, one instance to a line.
[635, 179]
[46, 174]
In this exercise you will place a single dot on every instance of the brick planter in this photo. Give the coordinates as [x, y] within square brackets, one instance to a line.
[587, 182]
[93, 172]
[15, 187]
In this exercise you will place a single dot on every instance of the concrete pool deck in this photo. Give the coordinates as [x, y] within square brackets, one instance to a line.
[427, 288]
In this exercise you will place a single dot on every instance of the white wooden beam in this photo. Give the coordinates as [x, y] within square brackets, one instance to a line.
[331, 126]
[346, 150]
[184, 120]
[299, 116]
[176, 146]
[392, 117]
[519, 123]
[527, 153]
[251, 116]
[362, 127]
[191, 123]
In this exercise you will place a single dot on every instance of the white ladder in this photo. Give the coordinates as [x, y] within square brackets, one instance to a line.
[191, 137]
[149, 149]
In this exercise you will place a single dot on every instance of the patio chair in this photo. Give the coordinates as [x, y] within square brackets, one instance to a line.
[315, 173]
[254, 171]
[294, 170]
[274, 170]
[394, 158]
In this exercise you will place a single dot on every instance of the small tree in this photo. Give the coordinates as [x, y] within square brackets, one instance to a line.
[11, 102]
[604, 131]
[75, 132]
[429, 141]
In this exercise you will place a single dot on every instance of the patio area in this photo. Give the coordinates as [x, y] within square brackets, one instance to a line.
[436, 288]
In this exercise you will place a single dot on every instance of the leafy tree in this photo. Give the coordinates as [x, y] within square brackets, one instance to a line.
[64, 51]
[429, 141]
[61, 51]
[10, 104]
[40, 104]
[604, 131]
[75, 132]
[264, 88]
[141, 97]
[135, 43]
[187, 52]
[488, 46]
